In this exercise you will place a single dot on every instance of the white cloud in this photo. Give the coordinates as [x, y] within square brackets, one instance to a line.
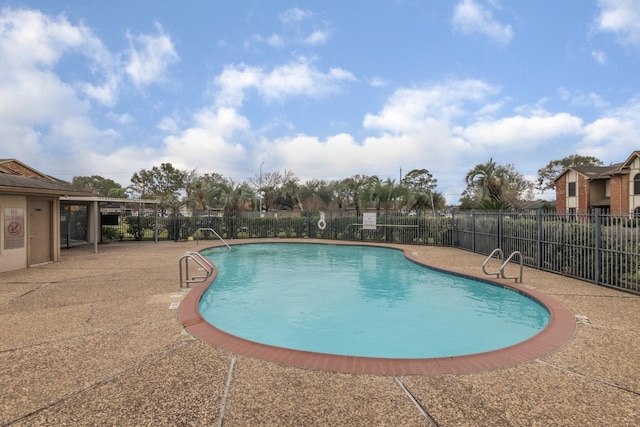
[168, 124]
[50, 115]
[297, 78]
[32, 43]
[105, 93]
[150, 57]
[581, 99]
[294, 16]
[317, 37]
[613, 136]
[276, 40]
[30, 38]
[490, 109]
[517, 130]
[599, 56]
[621, 17]
[470, 17]
[408, 110]
[233, 81]
[297, 31]
[377, 82]
[212, 142]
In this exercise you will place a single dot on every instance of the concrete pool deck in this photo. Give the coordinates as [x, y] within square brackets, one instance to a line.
[95, 340]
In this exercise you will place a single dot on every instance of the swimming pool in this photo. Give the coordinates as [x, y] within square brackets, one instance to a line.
[361, 301]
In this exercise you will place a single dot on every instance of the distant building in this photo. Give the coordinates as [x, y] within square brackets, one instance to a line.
[614, 188]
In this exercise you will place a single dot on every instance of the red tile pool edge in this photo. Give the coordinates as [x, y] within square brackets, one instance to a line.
[560, 329]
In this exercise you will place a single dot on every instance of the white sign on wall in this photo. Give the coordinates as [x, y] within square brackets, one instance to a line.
[369, 221]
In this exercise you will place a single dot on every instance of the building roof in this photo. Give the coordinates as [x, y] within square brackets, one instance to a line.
[22, 184]
[594, 172]
[630, 159]
[18, 178]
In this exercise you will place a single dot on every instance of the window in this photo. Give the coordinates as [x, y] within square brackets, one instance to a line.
[572, 189]
[636, 184]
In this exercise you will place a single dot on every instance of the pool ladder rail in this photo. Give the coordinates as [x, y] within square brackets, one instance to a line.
[498, 253]
[203, 264]
[214, 232]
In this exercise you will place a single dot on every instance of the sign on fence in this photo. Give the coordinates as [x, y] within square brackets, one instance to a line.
[369, 221]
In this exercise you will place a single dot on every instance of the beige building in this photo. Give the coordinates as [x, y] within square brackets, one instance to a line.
[30, 215]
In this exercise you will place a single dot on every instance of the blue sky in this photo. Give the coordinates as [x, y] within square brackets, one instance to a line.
[325, 89]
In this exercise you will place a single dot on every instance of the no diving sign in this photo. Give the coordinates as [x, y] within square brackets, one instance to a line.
[13, 228]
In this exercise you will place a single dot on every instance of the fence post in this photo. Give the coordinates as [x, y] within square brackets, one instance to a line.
[473, 230]
[539, 254]
[454, 232]
[501, 229]
[597, 249]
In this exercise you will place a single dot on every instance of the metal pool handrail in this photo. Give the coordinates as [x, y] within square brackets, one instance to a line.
[503, 264]
[201, 261]
[500, 254]
[214, 232]
[507, 261]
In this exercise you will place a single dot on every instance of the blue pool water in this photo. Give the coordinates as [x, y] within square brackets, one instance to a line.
[360, 301]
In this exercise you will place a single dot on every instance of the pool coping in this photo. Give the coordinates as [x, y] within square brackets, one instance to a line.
[561, 328]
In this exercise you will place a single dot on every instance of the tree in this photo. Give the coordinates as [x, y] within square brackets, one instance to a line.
[316, 194]
[117, 192]
[103, 187]
[550, 172]
[269, 184]
[232, 197]
[421, 185]
[340, 193]
[517, 188]
[291, 188]
[164, 183]
[353, 188]
[384, 193]
[493, 186]
[199, 191]
[484, 182]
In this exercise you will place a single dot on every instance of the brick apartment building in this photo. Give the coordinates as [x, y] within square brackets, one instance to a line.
[614, 188]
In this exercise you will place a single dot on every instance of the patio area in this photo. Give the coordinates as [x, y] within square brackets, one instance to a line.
[95, 340]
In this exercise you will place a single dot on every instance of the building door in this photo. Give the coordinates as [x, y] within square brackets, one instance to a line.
[39, 231]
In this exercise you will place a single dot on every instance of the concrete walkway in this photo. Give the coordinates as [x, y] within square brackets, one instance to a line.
[93, 340]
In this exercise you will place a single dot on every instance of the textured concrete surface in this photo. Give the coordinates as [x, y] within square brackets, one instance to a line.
[93, 340]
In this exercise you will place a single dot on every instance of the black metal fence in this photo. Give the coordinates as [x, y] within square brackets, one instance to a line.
[390, 228]
[596, 247]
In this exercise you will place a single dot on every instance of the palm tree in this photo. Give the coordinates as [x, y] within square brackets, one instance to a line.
[291, 188]
[486, 180]
[419, 199]
[384, 193]
[197, 193]
[354, 186]
[233, 198]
